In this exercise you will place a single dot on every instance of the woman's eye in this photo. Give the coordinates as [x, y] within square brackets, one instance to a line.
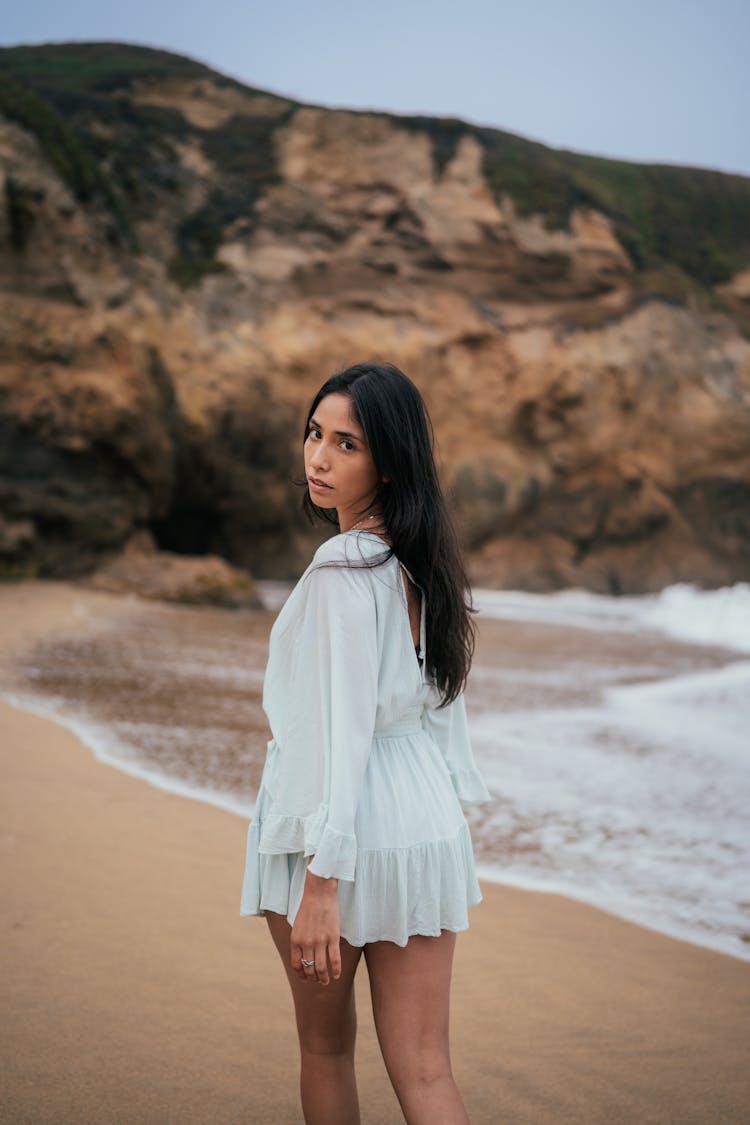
[316, 435]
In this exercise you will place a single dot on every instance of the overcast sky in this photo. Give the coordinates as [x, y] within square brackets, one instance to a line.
[666, 80]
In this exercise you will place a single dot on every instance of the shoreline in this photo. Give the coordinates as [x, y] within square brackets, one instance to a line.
[88, 612]
[134, 991]
[487, 872]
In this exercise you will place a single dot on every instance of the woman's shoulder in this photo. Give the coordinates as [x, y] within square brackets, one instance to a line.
[350, 549]
[331, 575]
[349, 565]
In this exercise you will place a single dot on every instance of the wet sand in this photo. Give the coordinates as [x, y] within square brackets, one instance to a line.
[134, 992]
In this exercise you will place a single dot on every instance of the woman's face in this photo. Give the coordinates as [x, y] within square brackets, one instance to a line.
[339, 467]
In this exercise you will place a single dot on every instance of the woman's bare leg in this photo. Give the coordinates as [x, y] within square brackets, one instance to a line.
[410, 989]
[327, 1029]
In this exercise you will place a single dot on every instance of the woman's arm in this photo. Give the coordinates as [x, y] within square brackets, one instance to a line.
[316, 934]
[330, 728]
[327, 701]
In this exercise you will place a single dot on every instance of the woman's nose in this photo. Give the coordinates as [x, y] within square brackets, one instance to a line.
[319, 457]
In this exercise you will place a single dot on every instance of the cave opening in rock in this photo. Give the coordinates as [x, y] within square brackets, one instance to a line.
[188, 529]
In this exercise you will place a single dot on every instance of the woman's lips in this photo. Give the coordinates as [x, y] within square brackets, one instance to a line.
[318, 485]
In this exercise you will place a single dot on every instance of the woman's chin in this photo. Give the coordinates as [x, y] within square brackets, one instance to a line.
[320, 500]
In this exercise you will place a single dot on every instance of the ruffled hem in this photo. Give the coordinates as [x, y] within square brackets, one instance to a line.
[398, 892]
[335, 852]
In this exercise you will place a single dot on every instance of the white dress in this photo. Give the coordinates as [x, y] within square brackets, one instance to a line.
[363, 770]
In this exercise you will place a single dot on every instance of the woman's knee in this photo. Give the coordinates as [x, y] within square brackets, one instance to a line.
[425, 1066]
[321, 1043]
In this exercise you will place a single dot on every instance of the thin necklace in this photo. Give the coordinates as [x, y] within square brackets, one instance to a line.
[358, 525]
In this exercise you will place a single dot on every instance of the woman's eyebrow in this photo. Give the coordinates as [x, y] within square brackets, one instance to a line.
[339, 433]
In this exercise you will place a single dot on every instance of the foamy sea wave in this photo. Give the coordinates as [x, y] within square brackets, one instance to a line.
[708, 617]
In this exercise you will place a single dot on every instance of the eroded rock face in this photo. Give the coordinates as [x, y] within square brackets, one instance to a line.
[585, 437]
[98, 440]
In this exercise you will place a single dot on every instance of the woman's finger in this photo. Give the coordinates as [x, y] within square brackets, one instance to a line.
[309, 965]
[321, 964]
[334, 956]
[296, 962]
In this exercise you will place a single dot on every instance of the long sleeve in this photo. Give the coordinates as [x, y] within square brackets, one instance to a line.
[329, 705]
[449, 727]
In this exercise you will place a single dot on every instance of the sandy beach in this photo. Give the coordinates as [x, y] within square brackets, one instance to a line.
[133, 991]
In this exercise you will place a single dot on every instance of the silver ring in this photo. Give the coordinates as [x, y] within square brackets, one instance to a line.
[307, 964]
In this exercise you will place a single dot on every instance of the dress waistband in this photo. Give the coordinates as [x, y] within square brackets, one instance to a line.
[409, 724]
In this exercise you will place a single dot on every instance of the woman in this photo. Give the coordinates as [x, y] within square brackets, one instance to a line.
[359, 843]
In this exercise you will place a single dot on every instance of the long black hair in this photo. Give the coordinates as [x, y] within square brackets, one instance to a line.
[398, 431]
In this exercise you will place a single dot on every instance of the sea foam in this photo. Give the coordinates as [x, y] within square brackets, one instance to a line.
[637, 801]
[708, 617]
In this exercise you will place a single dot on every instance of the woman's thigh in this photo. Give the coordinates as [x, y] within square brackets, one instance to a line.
[410, 988]
[326, 1015]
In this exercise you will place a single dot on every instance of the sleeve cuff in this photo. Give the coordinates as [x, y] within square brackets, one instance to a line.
[469, 787]
[335, 852]
[335, 855]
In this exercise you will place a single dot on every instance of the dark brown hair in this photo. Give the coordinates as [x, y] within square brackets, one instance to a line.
[392, 414]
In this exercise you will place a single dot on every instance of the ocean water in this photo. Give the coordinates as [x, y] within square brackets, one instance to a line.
[627, 784]
[613, 734]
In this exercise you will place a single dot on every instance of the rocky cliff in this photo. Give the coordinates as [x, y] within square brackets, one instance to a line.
[183, 260]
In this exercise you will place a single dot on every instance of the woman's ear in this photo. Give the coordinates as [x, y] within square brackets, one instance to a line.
[386, 479]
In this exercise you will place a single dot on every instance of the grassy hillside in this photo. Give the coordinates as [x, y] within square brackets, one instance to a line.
[685, 229]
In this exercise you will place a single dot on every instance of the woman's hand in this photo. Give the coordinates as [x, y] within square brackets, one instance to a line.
[315, 933]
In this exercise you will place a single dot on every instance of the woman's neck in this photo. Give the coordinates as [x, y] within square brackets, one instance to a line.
[373, 522]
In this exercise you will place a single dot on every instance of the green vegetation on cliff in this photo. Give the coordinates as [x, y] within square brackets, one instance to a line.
[74, 98]
[68, 154]
[682, 227]
[694, 219]
[243, 150]
[99, 67]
